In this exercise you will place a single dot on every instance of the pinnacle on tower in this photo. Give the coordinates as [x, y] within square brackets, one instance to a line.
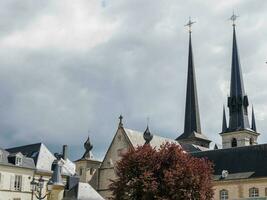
[224, 123]
[253, 121]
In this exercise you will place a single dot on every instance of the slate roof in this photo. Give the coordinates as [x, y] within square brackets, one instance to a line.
[136, 139]
[43, 158]
[193, 147]
[6, 159]
[31, 150]
[240, 162]
[80, 191]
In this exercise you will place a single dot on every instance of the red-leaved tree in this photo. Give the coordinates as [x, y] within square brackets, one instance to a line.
[167, 173]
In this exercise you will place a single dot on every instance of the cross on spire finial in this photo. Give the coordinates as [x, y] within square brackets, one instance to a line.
[233, 18]
[120, 118]
[189, 24]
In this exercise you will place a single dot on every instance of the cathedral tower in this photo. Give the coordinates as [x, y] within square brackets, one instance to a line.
[239, 132]
[192, 130]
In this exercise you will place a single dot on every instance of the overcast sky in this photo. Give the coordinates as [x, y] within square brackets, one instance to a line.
[70, 66]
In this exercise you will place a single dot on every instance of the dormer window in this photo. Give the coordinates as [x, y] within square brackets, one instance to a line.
[18, 161]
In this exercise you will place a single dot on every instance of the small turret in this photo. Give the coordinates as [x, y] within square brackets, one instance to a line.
[147, 135]
[88, 147]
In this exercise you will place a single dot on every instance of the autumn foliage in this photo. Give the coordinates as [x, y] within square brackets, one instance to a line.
[167, 173]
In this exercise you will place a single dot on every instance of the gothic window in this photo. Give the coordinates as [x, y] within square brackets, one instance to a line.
[81, 171]
[251, 141]
[253, 192]
[18, 183]
[234, 142]
[224, 195]
[91, 171]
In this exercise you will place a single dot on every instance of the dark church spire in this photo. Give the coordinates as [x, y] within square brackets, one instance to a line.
[192, 119]
[224, 123]
[239, 132]
[238, 100]
[253, 121]
[192, 128]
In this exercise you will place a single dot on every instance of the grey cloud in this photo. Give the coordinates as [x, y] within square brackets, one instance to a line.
[56, 95]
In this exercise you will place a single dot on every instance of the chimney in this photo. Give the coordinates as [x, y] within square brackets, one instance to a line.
[65, 152]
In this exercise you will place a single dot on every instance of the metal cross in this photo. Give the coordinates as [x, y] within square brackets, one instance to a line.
[120, 118]
[233, 18]
[189, 24]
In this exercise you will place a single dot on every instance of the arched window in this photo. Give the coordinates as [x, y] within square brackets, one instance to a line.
[81, 171]
[251, 141]
[234, 142]
[224, 194]
[253, 192]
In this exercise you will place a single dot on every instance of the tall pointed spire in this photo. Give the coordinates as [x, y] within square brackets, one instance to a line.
[238, 131]
[253, 121]
[238, 100]
[192, 119]
[224, 123]
[192, 127]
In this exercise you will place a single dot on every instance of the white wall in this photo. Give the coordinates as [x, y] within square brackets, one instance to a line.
[7, 191]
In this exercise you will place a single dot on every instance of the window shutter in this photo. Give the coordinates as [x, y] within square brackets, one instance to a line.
[2, 185]
[12, 182]
[1, 180]
[23, 184]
